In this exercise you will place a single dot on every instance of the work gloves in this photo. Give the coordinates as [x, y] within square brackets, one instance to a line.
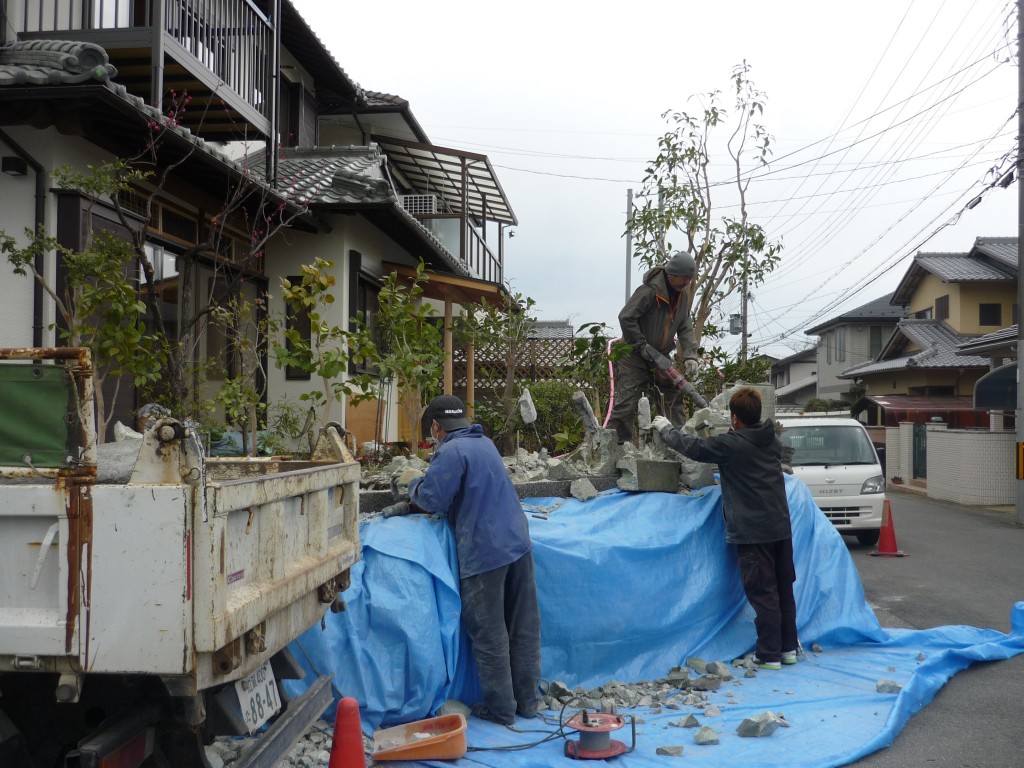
[660, 423]
[397, 509]
[645, 352]
[400, 482]
[689, 368]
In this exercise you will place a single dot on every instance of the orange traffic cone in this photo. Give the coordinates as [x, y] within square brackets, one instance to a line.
[347, 744]
[887, 536]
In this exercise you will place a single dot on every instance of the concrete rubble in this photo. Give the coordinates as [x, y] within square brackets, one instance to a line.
[888, 686]
[761, 725]
[598, 464]
[706, 736]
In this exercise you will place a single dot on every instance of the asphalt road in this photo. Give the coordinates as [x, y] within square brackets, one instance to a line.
[964, 565]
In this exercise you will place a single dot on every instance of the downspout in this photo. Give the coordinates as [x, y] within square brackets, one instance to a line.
[275, 109]
[40, 213]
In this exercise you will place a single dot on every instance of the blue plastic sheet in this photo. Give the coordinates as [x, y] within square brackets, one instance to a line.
[629, 586]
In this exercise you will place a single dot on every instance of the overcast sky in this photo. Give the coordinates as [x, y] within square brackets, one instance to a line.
[888, 118]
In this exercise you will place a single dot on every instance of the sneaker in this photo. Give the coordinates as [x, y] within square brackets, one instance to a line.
[789, 657]
[766, 664]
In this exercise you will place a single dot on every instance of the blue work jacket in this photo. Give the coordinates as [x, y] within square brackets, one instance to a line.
[467, 483]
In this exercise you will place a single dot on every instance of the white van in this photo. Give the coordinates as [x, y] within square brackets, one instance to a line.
[836, 459]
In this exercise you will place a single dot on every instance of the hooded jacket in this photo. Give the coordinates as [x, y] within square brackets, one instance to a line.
[467, 482]
[753, 487]
[650, 318]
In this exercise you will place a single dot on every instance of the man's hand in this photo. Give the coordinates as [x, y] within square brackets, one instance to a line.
[645, 352]
[689, 368]
[660, 423]
[396, 510]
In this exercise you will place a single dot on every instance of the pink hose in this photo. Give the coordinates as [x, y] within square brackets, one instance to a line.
[611, 382]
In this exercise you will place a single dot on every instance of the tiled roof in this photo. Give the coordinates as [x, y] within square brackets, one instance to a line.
[331, 175]
[54, 62]
[376, 98]
[938, 345]
[879, 309]
[804, 354]
[1003, 339]
[962, 267]
[1001, 249]
[796, 386]
[551, 329]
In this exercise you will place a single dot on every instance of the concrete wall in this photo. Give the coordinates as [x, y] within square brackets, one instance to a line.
[972, 467]
[858, 350]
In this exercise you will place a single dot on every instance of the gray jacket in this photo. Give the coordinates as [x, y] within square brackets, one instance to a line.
[649, 318]
[753, 488]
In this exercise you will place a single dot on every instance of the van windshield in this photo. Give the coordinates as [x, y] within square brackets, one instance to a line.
[823, 445]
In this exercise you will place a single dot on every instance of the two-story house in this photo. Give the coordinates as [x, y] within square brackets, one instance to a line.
[264, 155]
[795, 378]
[950, 298]
[849, 339]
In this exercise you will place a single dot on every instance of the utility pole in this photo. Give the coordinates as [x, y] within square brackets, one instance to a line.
[629, 240]
[743, 310]
[1020, 283]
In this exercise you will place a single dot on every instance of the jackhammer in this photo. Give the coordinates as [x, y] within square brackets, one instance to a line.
[678, 380]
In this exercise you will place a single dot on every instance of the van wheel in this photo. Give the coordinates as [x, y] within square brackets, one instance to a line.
[868, 537]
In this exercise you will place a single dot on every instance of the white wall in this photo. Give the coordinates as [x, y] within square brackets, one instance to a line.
[17, 212]
[972, 467]
[291, 249]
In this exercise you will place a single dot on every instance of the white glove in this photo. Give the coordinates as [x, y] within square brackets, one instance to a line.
[689, 368]
[660, 423]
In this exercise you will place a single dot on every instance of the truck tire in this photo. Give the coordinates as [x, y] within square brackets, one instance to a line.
[868, 538]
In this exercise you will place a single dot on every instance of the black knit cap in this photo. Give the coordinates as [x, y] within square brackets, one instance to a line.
[449, 411]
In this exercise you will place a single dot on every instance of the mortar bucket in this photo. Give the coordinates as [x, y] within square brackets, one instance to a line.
[436, 738]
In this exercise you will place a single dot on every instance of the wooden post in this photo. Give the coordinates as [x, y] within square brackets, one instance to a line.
[470, 382]
[449, 377]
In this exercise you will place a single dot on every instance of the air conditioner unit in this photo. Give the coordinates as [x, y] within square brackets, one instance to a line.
[420, 205]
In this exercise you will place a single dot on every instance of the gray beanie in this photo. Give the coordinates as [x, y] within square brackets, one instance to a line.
[681, 263]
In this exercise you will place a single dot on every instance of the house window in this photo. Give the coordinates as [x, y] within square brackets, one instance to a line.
[942, 308]
[841, 343]
[990, 314]
[364, 291]
[296, 321]
[924, 314]
[875, 342]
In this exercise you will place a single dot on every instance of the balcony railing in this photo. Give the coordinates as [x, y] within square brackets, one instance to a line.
[477, 257]
[232, 39]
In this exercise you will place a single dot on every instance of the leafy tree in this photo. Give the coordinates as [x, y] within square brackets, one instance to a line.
[402, 346]
[679, 198]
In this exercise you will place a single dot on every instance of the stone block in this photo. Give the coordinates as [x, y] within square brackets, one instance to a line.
[639, 474]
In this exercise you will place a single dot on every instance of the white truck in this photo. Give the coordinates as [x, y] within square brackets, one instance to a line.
[142, 615]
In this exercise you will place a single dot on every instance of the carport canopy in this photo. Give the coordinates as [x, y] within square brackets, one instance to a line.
[997, 389]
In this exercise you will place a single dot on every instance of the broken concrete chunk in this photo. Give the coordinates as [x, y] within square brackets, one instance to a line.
[676, 750]
[690, 721]
[706, 683]
[698, 665]
[815, 648]
[558, 690]
[764, 724]
[640, 474]
[921, 656]
[712, 711]
[719, 669]
[706, 736]
[582, 489]
[888, 686]
[678, 675]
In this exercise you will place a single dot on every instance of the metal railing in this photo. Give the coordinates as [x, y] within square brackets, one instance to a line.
[481, 262]
[233, 39]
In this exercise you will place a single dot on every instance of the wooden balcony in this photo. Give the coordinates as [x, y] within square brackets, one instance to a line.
[221, 53]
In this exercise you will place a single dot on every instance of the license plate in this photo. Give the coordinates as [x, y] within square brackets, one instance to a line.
[258, 697]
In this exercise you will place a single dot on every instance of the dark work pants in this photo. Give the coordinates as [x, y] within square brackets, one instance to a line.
[635, 377]
[768, 575]
[502, 619]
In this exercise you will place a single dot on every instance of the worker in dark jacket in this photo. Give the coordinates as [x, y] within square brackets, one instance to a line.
[658, 315]
[467, 483]
[749, 458]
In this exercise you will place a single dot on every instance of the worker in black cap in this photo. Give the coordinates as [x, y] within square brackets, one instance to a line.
[467, 483]
[657, 315]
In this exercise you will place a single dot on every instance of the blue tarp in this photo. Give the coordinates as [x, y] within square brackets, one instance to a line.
[631, 585]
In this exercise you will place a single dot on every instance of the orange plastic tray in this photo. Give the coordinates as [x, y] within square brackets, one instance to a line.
[436, 738]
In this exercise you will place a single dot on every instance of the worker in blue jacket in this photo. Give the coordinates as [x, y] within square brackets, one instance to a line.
[468, 484]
